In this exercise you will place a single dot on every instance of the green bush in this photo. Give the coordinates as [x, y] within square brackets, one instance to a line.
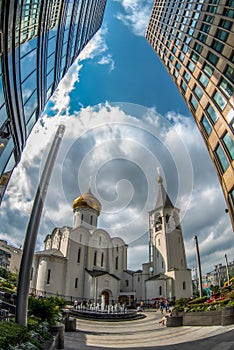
[48, 309]
[11, 333]
[198, 300]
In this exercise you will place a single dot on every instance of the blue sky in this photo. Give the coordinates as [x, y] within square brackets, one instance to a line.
[124, 118]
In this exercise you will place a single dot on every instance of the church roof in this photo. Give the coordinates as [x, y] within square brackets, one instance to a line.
[87, 200]
[50, 252]
[97, 273]
[160, 276]
[163, 200]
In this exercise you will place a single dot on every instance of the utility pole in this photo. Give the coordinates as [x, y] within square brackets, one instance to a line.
[32, 230]
[227, 272]
[198, 266]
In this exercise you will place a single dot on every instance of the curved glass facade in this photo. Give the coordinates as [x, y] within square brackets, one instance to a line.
[194, 40]
[39, 42]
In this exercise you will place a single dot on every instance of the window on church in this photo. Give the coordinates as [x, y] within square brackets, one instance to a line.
[102, 260]
[95, 258]
[80, 237]
[162, 264]
[117, 248]
[160, 290]
[76, 282]
[100, 240]
[82, 217]
[184, 285]
[126, 282]
[138, 279]
[91, 220]
[48, 277]
[116, 262]
[78, 255]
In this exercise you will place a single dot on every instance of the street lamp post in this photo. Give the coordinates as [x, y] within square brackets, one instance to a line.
[199, 266]
[32, 229]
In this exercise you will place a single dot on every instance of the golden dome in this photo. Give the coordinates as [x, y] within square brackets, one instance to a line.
[87, 200]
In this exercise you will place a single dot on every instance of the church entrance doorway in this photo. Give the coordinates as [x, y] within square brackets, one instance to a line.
[106, 297]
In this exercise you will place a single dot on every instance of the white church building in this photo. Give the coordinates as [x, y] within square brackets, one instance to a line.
[83, 262]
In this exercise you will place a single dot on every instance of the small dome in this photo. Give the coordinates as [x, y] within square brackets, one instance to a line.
[87, 200]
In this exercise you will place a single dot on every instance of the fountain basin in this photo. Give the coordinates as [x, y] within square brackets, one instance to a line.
[105, 316]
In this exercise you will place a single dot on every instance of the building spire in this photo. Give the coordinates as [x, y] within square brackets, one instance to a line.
[163, 199]
[90, 183]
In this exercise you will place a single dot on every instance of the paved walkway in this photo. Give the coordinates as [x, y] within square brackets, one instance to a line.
[147, 334]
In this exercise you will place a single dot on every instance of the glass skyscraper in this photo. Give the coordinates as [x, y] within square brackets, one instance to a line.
[39, 41]
[194, 40]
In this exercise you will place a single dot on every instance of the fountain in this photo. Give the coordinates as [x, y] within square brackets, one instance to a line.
[102, 312]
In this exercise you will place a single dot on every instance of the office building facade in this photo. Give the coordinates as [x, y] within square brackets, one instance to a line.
[194, 40]
[39, 40]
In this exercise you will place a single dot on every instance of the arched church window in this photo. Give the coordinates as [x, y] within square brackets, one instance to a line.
[48, 277]
[78, 255]
[102, 260]
[95, 258]
[162, 264]
[126, 282]
[117, 248]
[158, 224]
[160, 290]
[76, 282]
[116, 262]
[184, 285]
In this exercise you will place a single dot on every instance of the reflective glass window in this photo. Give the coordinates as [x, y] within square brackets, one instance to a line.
[225, 23]
[202, 37]
[28, 63]
[212, 9]
[203, 80]
[217, 46]
[183, 86]
[28, 86]
[193, 102]
[212, 58]
[229, 73]
[30, 106]
[208, 18]
[198, 92]
[220, 100]
[229, 13]
[191, 66]
[5, 156]
[212, 113]
[198, 48]
[205, 28]
[226, 87]
[3, 114]
[228, 141]
[208, 70]
[222, 158]
[222, 35]
[206, 125]
[187, 76]
[194, 57]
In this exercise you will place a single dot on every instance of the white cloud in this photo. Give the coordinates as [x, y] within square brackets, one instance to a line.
[136, 16]
[122, 154]
[96, 48]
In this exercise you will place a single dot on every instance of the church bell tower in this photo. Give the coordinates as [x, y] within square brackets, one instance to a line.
[166, 245]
